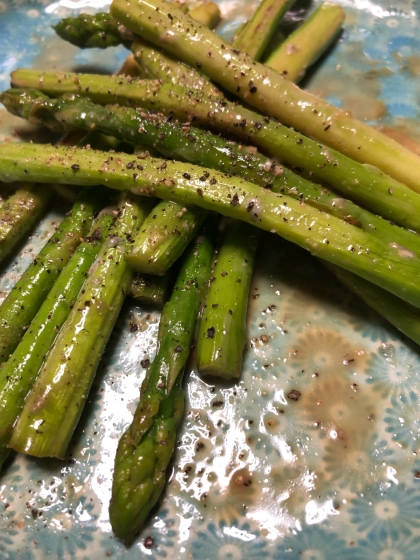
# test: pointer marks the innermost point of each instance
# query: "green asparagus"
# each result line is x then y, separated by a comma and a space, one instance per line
151, 290
363, 183
386, 264
206, 13
28, 294
222, 334
53, 407
18, 374
265, 89
308, 43
191, 144
146, 448
20, 213
255, 35
163, 237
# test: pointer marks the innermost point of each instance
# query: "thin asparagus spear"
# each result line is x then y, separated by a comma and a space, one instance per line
151, 290
206, 13
163, 237
308, 43
53, 407
265, 89
28, 294
146, 448
86, 31
364, 183
255, 35
20, 213
388, 265
18, 374
402, 315
222, 333
202, 148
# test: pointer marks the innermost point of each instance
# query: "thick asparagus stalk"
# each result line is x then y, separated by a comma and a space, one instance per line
163, 237
151, 290
222, 334
20, 213
255, 35
28, 294
18, 374
308, 43
53, 407
363, 183
265, 89
400, 314
388, 265
146, 448
206, 13
202, 148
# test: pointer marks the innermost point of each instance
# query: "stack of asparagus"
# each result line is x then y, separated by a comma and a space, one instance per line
57, 319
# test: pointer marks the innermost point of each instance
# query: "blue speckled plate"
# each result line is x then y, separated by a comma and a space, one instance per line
333, 474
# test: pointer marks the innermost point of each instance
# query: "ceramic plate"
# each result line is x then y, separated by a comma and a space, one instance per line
257, 474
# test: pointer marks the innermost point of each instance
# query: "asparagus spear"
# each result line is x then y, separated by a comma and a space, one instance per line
163, 237
388, 265
20, 213
151, 290
87, 31
364, 183
308, 43
265, 89
206, 13
255, 35
222, 334
400, 314
18, 374
191, 144
53, 407
146, 448
28, 294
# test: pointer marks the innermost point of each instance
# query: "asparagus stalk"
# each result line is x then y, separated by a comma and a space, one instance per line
191, 144
255, 35
403, 316
308, 43
388, 265
206, 13
18, 374
53, 407
151, 290
163, 237
28, 294
87, 31
146, 448
222, 333
265, 89
20, 213
363, 183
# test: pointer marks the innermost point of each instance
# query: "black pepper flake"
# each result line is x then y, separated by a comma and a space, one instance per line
299, 141
250, 206
200, 192
203, 178
210, 332
145, 363
140, 167
327, 127
135, 176
215, 305
75, 167
217, 403
243, 123
258, 125
170, 16
187, 176
191, 138
213, 181
148, 542
294, 395
235, 51
253, 89
134, 327
130, 165
178, 349
235, 200
198, 64
170, 116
